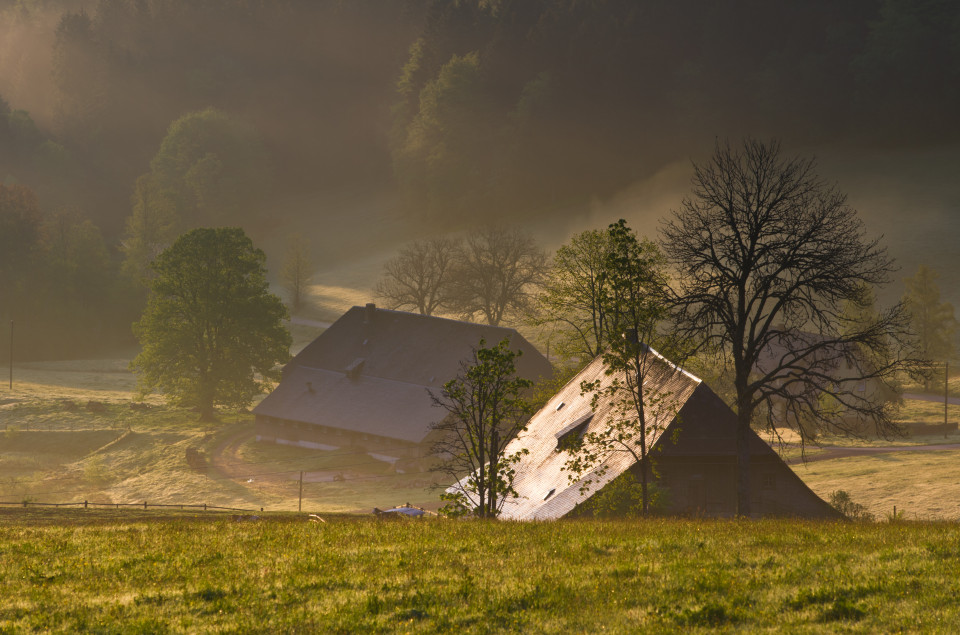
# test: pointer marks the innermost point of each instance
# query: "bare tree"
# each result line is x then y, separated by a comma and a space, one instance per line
767, 254
486, 409
498, 273
420, 277
296, 272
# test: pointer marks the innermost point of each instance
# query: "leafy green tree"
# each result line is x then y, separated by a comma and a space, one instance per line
80, 274
933, 321
153, 226
442, 159
20, 223
210, 167
573, 294
212, 333
486, 409
633, 299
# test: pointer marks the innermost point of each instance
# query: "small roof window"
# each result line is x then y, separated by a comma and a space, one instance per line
569, 437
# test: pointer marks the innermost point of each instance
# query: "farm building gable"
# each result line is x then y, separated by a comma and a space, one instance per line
693, 441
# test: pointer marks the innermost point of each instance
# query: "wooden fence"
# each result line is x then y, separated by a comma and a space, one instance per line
144, 505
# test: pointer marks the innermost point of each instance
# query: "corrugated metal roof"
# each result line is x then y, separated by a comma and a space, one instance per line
541, 470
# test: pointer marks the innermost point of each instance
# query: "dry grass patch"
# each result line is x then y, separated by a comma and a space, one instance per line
923, 485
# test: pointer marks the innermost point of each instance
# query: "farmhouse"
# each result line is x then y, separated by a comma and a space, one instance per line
363, 382
694, 450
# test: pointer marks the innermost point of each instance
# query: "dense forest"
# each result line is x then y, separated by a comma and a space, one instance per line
125, 122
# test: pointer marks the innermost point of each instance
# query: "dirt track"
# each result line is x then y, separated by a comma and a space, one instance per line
840, 453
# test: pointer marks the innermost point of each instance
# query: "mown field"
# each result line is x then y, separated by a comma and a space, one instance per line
143, 572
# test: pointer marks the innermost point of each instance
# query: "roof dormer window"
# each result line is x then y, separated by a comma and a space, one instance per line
570, 436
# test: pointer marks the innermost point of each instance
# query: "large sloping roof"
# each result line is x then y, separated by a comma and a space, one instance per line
543, 486
370, 371
367, 405
410, 347
705, 424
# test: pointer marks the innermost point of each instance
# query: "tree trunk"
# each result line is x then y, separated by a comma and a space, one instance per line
644, 497
743, 466
207, 411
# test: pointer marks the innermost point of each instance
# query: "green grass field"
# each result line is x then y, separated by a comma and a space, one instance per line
144, 572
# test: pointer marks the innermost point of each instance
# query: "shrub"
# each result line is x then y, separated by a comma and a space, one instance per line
95, 472
622, 498
840, 500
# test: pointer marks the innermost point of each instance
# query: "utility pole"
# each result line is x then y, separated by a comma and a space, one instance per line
300, 502
11, 354
946, 389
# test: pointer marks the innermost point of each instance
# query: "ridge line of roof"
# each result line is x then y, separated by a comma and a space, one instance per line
437, 317
600, 356
674, 365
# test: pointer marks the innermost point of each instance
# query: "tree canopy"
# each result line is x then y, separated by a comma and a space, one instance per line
573, 294
767, 255
210, 168
634, 301
212, 333
485, 409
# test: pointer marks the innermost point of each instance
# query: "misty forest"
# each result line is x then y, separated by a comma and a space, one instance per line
361, 125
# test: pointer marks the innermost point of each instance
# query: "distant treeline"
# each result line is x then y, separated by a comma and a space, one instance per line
533, 103
147, 117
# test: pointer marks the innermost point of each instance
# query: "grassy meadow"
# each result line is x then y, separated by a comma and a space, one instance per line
148, 572
74, 430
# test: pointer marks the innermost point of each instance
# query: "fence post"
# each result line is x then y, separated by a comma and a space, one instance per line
84, 504
144, 504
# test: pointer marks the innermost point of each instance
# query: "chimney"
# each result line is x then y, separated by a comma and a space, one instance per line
369, 311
